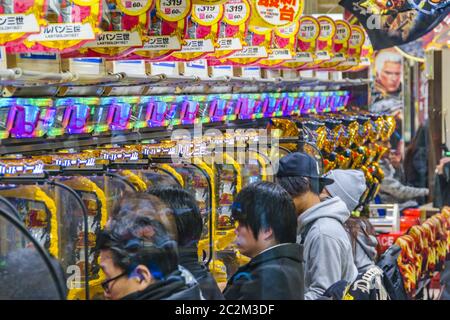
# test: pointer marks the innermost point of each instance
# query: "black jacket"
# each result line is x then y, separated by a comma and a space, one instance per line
276, 274
189, 260
173, 288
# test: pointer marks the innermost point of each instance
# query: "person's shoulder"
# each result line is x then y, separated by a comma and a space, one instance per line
187, 293
328, 230
328, 227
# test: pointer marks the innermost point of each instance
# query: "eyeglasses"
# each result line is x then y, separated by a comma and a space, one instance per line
105, 284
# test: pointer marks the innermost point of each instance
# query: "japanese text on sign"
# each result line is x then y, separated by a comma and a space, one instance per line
251, 52
116, 39
89, 162
280, 54
229, 44
197, 45
162, 43
18, 23
303, 57
12, 169
279, 12
64, 31
131, 156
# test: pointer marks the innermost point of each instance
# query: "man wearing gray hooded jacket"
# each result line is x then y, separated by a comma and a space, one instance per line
327, 250
349, 186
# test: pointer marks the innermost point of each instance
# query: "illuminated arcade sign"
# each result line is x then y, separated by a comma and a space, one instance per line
76, 162
30, 118
120, 154
13, 168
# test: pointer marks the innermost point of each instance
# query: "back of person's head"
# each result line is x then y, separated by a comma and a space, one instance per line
298, 186
138, 238
25, 276
147, 205
186, 212
349, 186
298, 174
266, 205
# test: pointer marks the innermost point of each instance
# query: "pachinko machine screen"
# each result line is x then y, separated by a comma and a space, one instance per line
171, 110
74, 115
221, 107
293, 103
115, 113
311, 103
26, 118
250, 106
275, 105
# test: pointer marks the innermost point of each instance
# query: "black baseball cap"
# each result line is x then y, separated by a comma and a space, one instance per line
300, 164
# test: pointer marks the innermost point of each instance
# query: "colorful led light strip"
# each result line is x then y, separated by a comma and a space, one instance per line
26, 118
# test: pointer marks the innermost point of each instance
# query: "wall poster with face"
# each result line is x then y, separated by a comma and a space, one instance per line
387, 90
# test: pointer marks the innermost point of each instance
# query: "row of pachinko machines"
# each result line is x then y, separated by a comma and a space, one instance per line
39, 117
65, 198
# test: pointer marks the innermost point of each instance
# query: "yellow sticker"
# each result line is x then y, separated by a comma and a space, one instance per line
237, 12
327, 28
134, 7
309, 29
210, 2
260, 30
207, 15
287, 32
173, 10
357, 38
343, 32
82, 2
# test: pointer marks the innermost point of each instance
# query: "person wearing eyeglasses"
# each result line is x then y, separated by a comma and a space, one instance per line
266, 232
139, 257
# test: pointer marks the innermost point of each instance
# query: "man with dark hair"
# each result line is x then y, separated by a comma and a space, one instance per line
266, 232
327, 250
139, 257
189, 230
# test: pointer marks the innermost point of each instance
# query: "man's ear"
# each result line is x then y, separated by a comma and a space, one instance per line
143, 275
266, 234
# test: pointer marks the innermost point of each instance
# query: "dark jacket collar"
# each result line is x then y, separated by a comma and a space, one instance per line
286, 250
160, 290
188, 258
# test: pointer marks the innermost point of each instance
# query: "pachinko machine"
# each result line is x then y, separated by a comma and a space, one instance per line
89, 180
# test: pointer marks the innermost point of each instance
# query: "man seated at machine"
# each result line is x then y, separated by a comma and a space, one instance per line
139, 257
266, 232
189, 225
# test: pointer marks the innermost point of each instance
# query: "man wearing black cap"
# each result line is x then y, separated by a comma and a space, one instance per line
327, 250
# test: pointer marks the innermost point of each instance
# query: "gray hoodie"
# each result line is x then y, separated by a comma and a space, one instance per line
327, 248
365, 250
